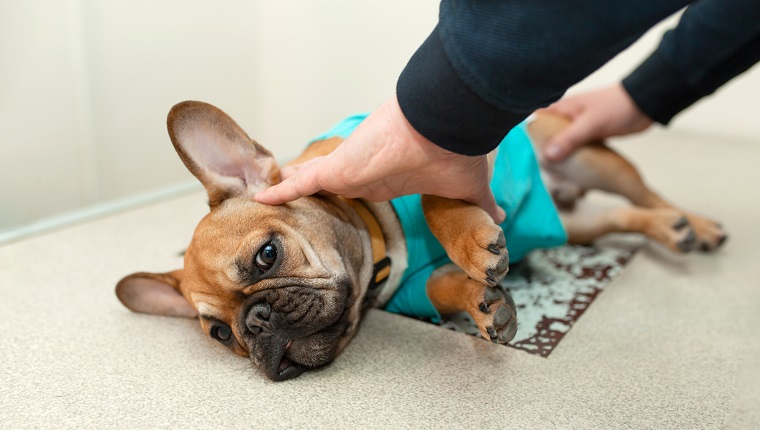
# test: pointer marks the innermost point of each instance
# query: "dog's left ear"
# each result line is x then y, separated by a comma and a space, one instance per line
219, 153
155, 293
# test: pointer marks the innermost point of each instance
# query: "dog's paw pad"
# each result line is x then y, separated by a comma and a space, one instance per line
497, 318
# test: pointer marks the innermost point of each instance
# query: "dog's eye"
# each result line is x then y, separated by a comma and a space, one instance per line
266, 257
221, 332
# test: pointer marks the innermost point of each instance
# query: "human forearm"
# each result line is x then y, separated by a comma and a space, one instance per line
489, 64
714, 42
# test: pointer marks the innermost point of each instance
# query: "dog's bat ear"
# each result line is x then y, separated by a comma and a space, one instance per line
219, 153
155, 293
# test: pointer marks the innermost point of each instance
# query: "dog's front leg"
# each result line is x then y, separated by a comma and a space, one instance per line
470, 237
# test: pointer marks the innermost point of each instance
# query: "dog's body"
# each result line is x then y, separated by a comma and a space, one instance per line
286, 285
532, 222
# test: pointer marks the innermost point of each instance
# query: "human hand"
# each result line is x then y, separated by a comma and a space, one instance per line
385, 157
595, 115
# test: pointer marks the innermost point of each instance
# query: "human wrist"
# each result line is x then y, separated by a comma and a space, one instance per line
635, 118
657, 89
440, 106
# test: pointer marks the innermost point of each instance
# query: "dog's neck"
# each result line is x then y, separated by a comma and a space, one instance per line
380, 259
385, 216
388, 248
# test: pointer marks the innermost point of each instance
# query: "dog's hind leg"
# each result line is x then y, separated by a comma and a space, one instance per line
666, 226
596, 166
491, 308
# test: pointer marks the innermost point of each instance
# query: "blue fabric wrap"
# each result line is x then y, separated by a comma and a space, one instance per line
532, 220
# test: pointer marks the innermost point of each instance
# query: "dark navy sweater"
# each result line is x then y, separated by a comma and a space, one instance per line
488, 63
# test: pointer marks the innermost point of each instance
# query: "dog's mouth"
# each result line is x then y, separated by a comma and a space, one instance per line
287, 368
271, 355
293, 329
281, 359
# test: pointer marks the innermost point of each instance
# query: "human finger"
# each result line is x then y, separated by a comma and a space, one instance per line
293, 169
303, 182
561, 145
567, 107
487, 201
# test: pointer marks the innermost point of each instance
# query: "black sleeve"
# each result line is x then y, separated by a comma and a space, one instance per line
715, 41
489, 63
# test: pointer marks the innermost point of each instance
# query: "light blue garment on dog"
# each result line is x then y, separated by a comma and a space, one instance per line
532, 220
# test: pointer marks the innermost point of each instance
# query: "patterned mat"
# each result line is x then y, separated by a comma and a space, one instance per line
552, 289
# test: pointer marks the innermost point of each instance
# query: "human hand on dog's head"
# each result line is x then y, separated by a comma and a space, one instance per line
386, 158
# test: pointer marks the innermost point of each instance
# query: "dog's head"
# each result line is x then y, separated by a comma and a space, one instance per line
280, 284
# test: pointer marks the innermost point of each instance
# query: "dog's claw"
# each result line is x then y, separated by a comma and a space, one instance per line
484, 308
491, 278
687, 244
494, 249
492, 333
721, 241
681, 223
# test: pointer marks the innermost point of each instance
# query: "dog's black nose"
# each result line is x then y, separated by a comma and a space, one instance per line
261, 310
258, 317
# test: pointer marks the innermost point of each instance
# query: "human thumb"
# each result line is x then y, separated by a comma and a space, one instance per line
488, 203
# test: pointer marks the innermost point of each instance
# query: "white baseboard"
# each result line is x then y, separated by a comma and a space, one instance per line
95, 211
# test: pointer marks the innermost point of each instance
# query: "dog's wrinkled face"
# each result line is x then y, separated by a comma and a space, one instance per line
272, 283
280, 284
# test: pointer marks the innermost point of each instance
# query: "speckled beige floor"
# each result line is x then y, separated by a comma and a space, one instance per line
671, 343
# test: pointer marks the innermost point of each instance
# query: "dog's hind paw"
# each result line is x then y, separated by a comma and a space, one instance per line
710, 235
668, 227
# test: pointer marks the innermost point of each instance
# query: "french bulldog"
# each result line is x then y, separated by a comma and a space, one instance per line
287, 285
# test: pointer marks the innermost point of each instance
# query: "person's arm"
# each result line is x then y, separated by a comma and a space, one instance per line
713, 42
489, 64
486, 66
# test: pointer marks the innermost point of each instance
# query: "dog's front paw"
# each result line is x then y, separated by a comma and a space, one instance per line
483, 256
471, 238
496, 315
